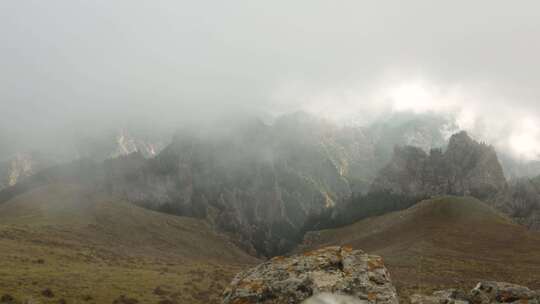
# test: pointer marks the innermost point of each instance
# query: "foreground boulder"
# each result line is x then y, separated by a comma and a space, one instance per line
483, 293
290, 280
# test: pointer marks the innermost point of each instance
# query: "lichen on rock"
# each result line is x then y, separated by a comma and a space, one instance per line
293, 279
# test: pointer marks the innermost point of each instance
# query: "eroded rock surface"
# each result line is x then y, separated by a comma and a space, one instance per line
466, 167
340, 270
484, 293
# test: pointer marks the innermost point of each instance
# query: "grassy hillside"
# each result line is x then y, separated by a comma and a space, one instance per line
443, 243
86, 248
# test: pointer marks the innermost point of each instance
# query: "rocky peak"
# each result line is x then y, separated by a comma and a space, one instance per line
293, 279
465, 168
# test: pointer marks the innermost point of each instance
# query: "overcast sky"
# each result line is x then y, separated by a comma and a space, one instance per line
91, 63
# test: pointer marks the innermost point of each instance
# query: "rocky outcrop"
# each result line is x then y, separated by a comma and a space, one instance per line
484, 293
465, 168
293, 279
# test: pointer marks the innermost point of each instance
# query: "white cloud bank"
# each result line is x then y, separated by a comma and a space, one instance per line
511, 126
86, 64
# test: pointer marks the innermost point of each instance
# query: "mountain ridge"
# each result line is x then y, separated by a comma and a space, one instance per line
466, 167
265, 184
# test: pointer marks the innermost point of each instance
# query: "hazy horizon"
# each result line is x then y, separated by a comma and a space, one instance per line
77, 66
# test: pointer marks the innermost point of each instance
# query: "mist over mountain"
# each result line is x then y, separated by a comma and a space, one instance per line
259, 180
465, 167
264, 182
151, 151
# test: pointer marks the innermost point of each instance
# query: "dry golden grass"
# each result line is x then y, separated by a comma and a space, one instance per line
90, 249
444, 243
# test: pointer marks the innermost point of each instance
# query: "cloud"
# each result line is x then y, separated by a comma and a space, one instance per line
511, 125
89, 64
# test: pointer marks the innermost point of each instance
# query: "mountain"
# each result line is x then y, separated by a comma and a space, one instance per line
66, 241
257, 181
442, 243
244, 186
97, 147
260, 182
466, 167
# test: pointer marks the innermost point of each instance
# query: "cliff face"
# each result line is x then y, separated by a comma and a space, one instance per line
258, 181
465, 168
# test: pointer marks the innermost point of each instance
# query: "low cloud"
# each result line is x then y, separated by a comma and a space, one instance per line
509, 124
87, 65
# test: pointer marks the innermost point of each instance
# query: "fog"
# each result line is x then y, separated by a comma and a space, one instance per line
73, 66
